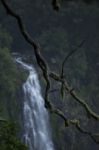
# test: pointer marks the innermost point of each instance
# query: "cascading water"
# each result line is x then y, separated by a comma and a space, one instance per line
36, 122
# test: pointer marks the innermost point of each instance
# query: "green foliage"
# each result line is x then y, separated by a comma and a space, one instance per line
10, 81
7, 68
8, 137
7, 71
10, 78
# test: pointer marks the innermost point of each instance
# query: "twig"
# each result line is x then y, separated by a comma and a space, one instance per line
68, 56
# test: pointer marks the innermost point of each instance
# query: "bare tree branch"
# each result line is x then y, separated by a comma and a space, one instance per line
93, 136
68, 56
76, 123
74, 95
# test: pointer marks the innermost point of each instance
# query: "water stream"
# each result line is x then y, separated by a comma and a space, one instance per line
35, 117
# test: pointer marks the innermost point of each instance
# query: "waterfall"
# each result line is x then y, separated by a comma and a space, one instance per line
35, 116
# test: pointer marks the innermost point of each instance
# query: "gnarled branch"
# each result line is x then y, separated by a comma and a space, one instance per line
74, 95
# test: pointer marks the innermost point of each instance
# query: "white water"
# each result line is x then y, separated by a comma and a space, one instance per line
36, 122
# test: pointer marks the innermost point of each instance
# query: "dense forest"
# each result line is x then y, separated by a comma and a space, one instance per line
68, 35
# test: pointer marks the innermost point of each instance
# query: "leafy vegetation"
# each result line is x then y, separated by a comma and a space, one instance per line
8, 137
10, 81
